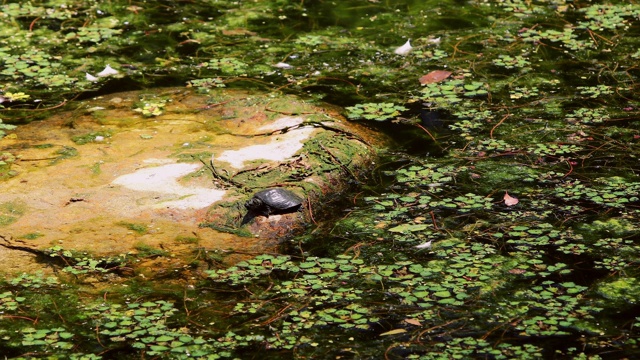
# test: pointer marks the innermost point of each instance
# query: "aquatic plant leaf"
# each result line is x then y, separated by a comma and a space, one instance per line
434, 77
408, 228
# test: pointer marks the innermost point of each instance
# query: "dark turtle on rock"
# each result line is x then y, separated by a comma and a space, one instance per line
273, 201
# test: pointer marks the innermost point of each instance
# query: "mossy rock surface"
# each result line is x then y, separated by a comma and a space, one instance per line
177, 164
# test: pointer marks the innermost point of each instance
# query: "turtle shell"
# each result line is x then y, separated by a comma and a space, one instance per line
276, 200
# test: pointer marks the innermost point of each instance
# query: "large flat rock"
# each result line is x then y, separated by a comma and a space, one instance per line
108, 179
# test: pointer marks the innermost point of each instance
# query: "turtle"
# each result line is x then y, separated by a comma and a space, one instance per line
273, 201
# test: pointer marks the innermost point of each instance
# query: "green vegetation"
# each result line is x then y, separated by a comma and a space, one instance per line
378, 112
429, 263
11, 212
138, 228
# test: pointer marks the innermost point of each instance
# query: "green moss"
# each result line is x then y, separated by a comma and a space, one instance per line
31, 236
97, 136
138, 228
187, 239
65, 153
620, 293
144, 250
11, 211
614, 227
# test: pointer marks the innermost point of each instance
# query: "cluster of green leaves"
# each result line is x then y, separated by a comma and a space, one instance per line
587, 116
523, 93
451, 92
493, 145
4, 127
83, 263
322, 283
511, 62
551, 309
608, 16
439, 255
34, 67
95, 136
431, 175
34, 281
373, 111
144, 326
203, 86
48, 339
611, 192
228, 65
595, 91
151, 107
96, 34
6, 159
567, 38
550, 149
9, 302
470, 347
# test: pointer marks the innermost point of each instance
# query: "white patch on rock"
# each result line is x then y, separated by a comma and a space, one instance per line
280, 148
283, 122
163, 179
158, 161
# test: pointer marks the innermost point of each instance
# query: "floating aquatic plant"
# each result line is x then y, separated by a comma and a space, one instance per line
541, 271
4, 127
152, 107
373, 111
511, 62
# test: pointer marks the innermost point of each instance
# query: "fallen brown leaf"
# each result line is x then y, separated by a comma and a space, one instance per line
434, 77
413, 322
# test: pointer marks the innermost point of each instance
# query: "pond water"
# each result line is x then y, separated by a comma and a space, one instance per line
503, 223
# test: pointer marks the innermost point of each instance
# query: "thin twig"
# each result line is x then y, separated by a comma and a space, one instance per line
33, 23
433, 217
311, 213
498, 124
428, 133
18, 317
568, 161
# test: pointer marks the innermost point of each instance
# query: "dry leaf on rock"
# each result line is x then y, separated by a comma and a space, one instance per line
434, 77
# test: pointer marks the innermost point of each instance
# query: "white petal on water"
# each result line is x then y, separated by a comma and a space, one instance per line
426, 245
404, 49
108, 71
434, 41
282, 65
91, 77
